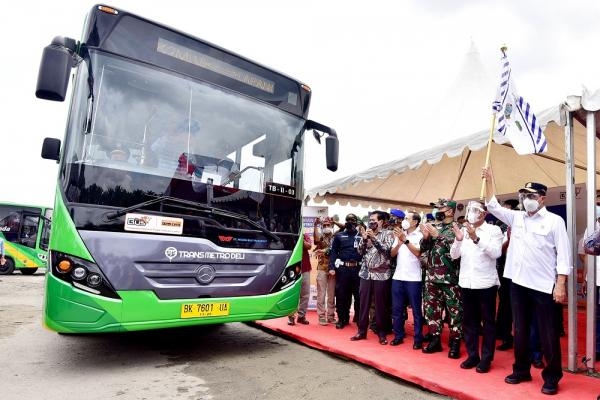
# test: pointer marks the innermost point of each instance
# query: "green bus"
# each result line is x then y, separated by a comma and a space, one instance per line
180, 183
25, 230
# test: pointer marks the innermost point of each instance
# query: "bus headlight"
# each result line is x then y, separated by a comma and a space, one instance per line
79, 273
290, 275
82, 274
94, 280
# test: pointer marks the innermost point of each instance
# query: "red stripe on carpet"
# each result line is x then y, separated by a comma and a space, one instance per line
436, 372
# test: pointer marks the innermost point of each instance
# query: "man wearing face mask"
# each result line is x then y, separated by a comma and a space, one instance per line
478, 245
538, 262
325, 282
375, 276
406, 281
344, 264
441, 280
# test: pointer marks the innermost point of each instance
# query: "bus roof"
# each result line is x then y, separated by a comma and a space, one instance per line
129, 35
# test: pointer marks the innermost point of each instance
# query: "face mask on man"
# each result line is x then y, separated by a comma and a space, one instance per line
350, 226
373, 225
440, 216
405, 224
472, 217
327, 231
530, 205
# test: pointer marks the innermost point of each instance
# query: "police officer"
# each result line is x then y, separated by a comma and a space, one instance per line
344, 263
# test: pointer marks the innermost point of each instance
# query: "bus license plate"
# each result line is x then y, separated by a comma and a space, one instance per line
204, 310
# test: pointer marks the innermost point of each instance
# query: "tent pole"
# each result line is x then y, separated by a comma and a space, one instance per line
487, 155
590, 336
571, 233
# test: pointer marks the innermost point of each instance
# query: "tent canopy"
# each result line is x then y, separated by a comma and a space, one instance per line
453, 170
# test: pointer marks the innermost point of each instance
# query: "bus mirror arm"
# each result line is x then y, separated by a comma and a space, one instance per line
331, 142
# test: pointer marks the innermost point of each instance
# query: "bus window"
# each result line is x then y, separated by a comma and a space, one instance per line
9, 224
29, 230
45, 239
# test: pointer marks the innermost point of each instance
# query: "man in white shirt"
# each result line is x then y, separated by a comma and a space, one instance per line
538, 262
478, 245
407, 282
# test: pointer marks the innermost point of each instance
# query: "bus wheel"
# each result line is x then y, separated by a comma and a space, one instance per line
28, 271
8, 267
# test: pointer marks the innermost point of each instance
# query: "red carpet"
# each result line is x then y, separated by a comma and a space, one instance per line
436, 372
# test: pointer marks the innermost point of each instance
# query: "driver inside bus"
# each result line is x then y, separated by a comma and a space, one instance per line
173, 149
115, 176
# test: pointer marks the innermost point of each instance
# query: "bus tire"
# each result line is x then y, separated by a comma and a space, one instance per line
8, 267
28, 271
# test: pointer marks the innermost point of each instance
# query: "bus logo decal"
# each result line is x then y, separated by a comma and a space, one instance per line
205, 274
153, 223
171, 253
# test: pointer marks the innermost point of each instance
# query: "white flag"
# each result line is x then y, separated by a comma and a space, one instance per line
515, 120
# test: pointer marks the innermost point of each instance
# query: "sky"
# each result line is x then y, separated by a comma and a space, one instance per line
381, 72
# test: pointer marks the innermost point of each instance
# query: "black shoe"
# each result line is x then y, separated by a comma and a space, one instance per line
383, 340
417, 346
454, 351
396, 341
427, 338
340, 325
505, 345
291, 321
302, 320
550, 388
358, 336
483, 367
434, 346
514, 378
470, 363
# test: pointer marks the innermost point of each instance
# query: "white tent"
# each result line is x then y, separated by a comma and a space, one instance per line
453, 171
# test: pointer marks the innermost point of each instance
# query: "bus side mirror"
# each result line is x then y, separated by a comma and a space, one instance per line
55, 68
51, 149
332, 146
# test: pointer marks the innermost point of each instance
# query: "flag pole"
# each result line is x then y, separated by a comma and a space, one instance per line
487, 156
489, 145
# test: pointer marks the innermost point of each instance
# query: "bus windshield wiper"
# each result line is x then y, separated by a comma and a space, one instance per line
198, 206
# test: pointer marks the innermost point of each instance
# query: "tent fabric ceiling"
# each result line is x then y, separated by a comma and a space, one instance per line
453, 170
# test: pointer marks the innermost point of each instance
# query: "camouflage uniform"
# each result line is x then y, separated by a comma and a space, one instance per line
441, 283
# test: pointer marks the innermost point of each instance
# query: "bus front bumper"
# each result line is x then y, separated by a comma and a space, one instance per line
71, 310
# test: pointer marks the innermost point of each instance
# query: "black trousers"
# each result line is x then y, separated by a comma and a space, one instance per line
347, 283
504, 319
381, 292
479, 305
528, 304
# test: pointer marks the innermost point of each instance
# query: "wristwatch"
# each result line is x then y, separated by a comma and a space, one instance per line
476, 240
406, 241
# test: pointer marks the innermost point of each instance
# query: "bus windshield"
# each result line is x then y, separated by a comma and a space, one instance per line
139, 131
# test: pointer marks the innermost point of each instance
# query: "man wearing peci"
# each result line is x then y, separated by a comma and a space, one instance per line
538, 262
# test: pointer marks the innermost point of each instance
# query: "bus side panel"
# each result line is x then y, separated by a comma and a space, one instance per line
23, 256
